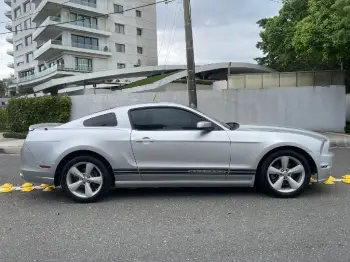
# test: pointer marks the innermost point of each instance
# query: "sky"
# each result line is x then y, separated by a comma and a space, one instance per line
223, 31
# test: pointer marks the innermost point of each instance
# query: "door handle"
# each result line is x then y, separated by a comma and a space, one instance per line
144, 140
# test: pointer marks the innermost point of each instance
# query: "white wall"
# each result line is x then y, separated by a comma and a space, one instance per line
315, 108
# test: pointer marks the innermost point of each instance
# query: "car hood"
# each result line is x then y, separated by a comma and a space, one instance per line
282, 130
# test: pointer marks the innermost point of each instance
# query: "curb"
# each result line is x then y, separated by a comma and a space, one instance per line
343, 143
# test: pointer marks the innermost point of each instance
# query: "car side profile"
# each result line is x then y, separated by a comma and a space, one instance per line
171, 145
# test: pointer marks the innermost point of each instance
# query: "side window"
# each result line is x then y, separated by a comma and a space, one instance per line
164, 119
108, 119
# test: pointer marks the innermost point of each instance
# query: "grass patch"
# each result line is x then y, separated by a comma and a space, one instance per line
149, 80
15, 135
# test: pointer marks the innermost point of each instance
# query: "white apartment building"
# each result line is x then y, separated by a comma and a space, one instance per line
57, 38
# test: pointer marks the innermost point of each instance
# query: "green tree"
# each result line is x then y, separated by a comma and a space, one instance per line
306, 35
277, 35
321, 36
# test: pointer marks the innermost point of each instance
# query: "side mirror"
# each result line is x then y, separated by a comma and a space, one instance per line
204, 125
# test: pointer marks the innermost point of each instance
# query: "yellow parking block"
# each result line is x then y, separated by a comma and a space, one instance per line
329, 181
26, 187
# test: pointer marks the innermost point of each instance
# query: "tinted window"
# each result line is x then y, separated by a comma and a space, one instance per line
102, 120
164, 119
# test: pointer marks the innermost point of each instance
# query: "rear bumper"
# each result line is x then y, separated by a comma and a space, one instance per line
324, 166
31, 171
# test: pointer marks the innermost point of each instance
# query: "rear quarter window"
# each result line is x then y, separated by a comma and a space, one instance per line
108, 119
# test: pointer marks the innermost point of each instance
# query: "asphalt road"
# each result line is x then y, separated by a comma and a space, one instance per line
177, 224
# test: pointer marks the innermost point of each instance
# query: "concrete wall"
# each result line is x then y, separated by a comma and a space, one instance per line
288, 79
315, 108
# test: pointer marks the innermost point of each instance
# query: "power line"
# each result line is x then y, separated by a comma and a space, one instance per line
68, 22
172, 33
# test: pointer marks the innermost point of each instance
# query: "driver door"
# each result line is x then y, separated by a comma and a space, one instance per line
168, 146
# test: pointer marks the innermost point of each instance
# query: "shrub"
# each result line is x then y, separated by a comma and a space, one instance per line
4, 124
23, 112
347, 128
15, 135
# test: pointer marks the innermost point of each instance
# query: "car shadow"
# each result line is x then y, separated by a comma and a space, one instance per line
116, 194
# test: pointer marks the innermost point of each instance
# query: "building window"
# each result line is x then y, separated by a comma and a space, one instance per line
91, 3
20, 63
139, 31
18, 28
120, 66
27, 24
26, 73
139, 50
17, 12
83, 20
84, 42
118, 9
29, 57
138, 13
28, 40
26, 7
19, 46
119, 28
83, 64
120, 48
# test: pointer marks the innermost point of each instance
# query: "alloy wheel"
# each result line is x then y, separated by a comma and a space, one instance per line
286, 174
84, 179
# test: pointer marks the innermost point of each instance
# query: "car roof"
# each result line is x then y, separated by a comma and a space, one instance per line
155, 104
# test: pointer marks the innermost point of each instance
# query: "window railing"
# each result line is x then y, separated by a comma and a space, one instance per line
56, 42
55, 18
84, 2
84, 24
37, 75
83, 69
86, 46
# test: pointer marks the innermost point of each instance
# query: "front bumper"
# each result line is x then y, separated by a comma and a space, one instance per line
324, 166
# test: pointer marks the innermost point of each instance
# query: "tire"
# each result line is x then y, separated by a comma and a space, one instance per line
89, 187
285, 182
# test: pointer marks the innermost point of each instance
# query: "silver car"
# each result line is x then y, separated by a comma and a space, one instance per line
171, 145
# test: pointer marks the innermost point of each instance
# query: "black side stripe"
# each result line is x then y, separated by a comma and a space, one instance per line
181, 171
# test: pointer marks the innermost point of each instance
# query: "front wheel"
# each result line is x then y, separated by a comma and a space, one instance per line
285, 173
85, 179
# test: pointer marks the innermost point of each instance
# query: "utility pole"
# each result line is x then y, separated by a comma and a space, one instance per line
191, 74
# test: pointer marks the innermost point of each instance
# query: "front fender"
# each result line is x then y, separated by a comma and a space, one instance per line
275, 146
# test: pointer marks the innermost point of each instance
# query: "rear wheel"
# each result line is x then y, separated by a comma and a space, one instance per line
285, 173
85, 179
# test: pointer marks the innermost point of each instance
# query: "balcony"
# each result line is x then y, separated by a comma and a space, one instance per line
56, 70
53, 48
9, 39
9, 52
8, 2
47, 8
8, 14
8, 26
10, 65
52, 26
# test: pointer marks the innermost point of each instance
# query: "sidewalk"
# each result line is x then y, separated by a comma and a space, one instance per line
10, 145
13, 146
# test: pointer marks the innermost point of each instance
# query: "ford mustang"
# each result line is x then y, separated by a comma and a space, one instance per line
170, 145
